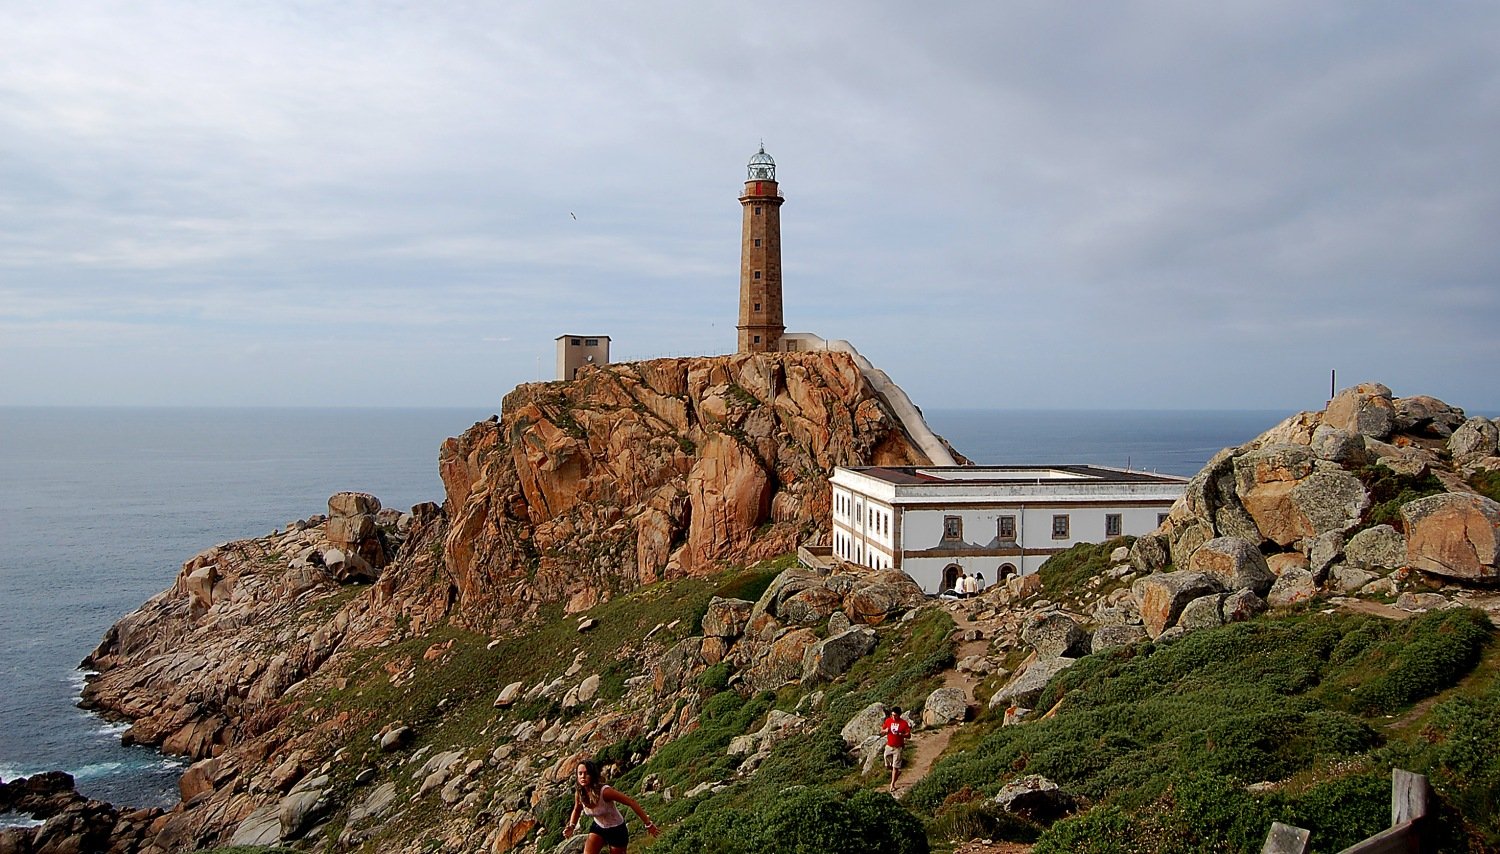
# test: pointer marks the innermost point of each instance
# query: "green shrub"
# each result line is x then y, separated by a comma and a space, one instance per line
1487, 483
802, 820
963, 817
714, 679
1389, 490
1429, 653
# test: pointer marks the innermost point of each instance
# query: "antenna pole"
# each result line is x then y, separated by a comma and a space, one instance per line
1333, 383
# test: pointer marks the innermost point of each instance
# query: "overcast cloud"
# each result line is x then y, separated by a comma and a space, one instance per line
1086, 205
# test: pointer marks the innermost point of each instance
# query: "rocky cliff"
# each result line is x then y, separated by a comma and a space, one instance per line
649, 470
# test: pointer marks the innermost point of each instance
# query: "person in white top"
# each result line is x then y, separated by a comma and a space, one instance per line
597, 800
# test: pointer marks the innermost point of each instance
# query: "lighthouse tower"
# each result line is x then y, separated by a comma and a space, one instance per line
760, 326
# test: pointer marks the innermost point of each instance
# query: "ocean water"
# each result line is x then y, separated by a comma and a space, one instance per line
100, 507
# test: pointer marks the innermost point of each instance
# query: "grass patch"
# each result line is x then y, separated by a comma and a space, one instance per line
1070, 571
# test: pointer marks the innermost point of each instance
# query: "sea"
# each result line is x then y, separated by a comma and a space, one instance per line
99, 507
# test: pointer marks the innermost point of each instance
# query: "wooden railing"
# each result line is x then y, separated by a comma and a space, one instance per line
1410, 796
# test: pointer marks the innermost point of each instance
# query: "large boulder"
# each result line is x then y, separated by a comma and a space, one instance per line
1026, 687
678, 665
1474, 440
1380, 547
1237, 564
864, 725
1116, 634
810, 606
945, 706
832, 657
726, 618
1366, 409
1241, 605
1291, 588
1052, 634
1163, 595
1150, 553
304, 806
354, 532
1205, 612
1292, 495
1456, 535
877, 596
1335, 445
1423, 414
786, 585
1035, 798
781, 662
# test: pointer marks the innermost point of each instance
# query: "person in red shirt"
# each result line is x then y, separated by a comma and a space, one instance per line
896, 731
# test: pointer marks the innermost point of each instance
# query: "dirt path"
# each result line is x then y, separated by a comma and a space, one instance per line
929, 745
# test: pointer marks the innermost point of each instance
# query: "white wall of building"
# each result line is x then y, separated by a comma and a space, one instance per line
882, 524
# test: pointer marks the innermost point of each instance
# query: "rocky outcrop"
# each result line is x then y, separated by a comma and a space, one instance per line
241, 625
71, 823
648, 470
1289, 514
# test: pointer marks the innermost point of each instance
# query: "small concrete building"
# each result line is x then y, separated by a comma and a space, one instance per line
575, 351
937, 521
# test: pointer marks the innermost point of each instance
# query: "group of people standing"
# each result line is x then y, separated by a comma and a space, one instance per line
967, 585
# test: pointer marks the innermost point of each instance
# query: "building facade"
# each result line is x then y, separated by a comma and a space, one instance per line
575, 351
760, 325
936, 522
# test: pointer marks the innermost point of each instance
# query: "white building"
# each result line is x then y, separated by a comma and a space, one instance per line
938, 521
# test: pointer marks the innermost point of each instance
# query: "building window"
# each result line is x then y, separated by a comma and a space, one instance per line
757, 339
757, 306
1007, 528
1112, 525
757, 210
757, 243
757, 275
591, 342
953, 527
1060, 526
575, 342
1161, 519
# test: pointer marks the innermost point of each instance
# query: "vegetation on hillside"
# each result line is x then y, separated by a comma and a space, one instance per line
1191, 745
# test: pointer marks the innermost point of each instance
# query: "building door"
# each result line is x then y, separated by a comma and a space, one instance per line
1006, 571
950, 576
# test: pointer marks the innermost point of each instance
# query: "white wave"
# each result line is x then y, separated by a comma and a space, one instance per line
11, 819
11, 772
78, 677
112, 728
97, 769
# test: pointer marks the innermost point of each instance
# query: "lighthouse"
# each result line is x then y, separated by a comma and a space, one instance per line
760, 327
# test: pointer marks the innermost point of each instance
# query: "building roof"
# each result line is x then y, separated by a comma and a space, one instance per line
561, 337
1008, 475
970, 485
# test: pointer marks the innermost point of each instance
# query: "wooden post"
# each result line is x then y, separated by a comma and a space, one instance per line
1409, 796
1285, 839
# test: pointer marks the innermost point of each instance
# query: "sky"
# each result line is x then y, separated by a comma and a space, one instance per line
1177, 205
